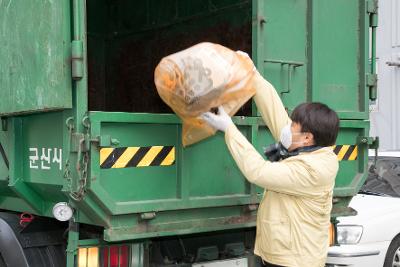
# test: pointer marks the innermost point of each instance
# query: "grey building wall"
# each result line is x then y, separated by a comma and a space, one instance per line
385, 112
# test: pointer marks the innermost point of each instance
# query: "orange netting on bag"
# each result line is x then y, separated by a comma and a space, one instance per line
200, 78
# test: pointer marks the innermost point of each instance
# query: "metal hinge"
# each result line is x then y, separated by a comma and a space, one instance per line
372, 79
372, 142
372, 82
105, 141
372, 6
80, 142
372, 9
77, 59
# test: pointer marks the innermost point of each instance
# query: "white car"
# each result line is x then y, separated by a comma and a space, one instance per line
372, 237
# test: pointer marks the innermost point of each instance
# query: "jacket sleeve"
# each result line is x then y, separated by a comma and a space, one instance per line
270, 106
289, 177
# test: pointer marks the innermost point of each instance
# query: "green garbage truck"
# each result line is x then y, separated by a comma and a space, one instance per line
92, 167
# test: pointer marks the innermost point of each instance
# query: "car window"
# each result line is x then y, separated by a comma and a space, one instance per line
384, 177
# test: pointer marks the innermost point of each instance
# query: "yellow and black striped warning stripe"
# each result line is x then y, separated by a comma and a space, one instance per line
125, 157
346, 152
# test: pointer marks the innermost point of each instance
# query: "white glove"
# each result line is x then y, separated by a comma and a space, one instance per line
220, 121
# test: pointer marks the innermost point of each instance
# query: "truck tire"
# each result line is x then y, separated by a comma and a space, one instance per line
10, 247
393, 254
15, 250
2, 263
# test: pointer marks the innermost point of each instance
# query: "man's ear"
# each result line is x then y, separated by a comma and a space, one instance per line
309, 138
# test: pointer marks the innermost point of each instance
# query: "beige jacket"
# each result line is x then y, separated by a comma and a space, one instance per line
294, 215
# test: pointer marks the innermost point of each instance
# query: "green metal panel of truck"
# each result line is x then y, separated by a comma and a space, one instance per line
76, 77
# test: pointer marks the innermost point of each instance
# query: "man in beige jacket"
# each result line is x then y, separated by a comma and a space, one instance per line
294, 215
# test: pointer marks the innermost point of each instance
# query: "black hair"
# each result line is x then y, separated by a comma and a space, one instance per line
318, 119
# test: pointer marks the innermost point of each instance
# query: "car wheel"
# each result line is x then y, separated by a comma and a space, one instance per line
393, 254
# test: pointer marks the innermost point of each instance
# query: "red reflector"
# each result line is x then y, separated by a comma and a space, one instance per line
105, 257
114, 256
123, 256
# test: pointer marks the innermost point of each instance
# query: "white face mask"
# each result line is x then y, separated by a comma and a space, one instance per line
287, 136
